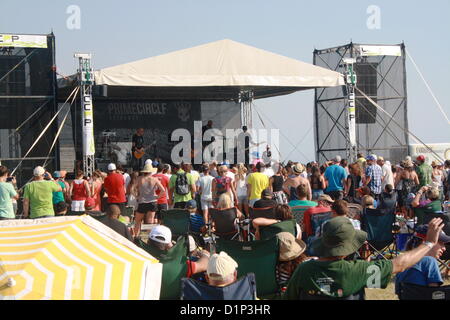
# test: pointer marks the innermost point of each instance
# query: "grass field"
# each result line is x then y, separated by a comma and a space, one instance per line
388, 293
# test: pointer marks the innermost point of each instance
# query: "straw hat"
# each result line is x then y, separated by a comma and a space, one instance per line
408, 164
148, 168
298, 168
290, 247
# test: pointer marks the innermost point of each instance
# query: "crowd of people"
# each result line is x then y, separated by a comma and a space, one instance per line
312, 262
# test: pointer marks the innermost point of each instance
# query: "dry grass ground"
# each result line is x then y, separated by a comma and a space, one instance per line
388, 293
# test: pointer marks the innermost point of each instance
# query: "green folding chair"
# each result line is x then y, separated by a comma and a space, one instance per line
174, 266
268, 232
177, 220
259, 257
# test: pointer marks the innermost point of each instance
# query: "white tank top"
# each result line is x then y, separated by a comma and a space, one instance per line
147, 193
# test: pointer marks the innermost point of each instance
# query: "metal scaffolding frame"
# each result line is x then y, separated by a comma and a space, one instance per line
28, 98
375, 132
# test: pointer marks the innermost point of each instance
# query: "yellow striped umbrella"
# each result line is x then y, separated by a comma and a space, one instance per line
73, 258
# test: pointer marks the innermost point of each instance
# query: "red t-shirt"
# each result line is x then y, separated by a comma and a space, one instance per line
307, 218
165, 182
115, 188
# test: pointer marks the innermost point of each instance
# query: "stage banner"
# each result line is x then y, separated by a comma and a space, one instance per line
370, 51
117, 121
23, 41
88, 126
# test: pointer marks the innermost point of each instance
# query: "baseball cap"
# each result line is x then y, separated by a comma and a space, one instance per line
420, 158
325, 197
421, 232
220, 266
38, 171
161, 234
111, 167
266, 193
371, 158
155, 163
56, 174
337, 159
290, 247
191, 204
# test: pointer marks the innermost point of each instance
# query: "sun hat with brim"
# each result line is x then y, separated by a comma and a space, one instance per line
339, 239
408, 164
148, 168
290, 247
298, 168
325, 197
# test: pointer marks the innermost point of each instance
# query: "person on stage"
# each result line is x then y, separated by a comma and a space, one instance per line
137, 150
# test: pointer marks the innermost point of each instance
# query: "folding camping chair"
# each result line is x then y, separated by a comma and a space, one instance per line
174, 266
379, 226
225, 223
268, 213
243, 289
298, 212
177, 220
318, 219
268, 232
354, 211
419, 213
410, 291
259, 257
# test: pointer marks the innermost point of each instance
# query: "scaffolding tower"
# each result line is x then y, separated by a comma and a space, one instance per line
381, 74
86, 80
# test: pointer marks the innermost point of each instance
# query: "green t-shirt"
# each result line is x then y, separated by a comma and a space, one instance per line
178, 197
338, 279
40, 194
59, 196
295, 203
6, 193
424, 172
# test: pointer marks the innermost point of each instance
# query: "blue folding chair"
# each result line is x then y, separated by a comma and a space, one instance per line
379, 223
243, 289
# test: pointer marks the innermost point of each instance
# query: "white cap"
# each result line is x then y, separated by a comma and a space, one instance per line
220, 266
337, 158
161, 234
148, 161
375, 156
111, 167
38, 171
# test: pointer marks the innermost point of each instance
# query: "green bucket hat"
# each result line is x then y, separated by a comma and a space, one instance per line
339, 238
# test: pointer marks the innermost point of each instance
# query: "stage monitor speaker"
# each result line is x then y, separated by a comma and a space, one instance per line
100, 91
368, 83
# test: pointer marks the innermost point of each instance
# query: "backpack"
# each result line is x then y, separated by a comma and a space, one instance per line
222, 185
181, 184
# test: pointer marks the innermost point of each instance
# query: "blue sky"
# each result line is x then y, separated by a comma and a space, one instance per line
122, 31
